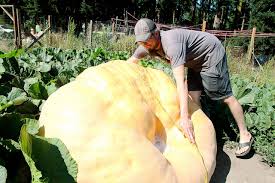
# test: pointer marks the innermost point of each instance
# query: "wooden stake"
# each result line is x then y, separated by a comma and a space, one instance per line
49, 25
90, 33
116, 23
113, 27
126, 23
251, 46
243, 23
6, 11
37, 39
174, 17
18, 21
222, 15
14, 27
158, 15
203, 26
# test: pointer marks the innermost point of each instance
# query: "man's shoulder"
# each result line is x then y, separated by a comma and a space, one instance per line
172, 32
173, 37
182, 31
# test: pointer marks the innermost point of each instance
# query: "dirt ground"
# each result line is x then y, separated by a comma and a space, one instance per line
230, 169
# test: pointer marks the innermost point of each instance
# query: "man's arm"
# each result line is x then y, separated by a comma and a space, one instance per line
133, 59
139, 53
185, 122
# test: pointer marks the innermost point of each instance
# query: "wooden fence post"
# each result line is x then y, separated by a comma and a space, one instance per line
49, 25
243, 23
174, 17
90, 33
15, 27
203, 26
126, 23
113, 27
116, 23
13, 17
251, 46
158, 15
18, 22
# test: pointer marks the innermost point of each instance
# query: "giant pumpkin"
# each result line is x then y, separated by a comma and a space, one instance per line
119, 121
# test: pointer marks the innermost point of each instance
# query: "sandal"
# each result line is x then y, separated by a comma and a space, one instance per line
242, 145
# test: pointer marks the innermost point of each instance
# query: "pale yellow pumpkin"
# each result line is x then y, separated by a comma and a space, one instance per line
120, 123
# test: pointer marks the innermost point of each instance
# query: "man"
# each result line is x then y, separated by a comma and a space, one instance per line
205, 58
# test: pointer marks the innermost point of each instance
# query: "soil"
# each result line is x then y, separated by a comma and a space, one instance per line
251, 169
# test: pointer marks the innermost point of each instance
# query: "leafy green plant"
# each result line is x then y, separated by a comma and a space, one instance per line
26, 81
259, 107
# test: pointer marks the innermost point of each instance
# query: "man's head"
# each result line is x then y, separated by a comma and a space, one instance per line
147, 34
144, 29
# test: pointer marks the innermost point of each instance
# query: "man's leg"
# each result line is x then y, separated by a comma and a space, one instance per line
195, 96
194, 85
237, 112
217, 86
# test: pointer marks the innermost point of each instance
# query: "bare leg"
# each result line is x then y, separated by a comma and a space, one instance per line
195, 96
237, 112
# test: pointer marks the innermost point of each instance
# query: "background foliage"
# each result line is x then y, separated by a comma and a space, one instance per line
187, 13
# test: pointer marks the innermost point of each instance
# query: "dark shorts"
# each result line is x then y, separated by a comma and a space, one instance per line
215, 81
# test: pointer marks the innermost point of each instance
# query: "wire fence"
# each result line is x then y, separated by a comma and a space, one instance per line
125, 26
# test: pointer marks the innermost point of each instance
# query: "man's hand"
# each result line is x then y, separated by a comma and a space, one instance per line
187, 127
184, 124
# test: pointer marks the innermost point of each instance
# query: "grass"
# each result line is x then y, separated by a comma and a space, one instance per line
6, 45
239, 65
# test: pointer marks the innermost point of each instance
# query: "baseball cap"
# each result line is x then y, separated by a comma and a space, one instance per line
143, 29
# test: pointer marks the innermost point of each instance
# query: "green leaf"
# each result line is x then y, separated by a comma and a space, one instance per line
38, 91
13, 53
29, 82
17, 96
247, 99
48, 158
35, 173
45, 57
3, 100
248, 120
2, 68
25, 140
41, 105
32, 126
264, 121
20, 100
11, 67
255, 119
235, 89
51, 87
3, 174
44, 67
36, 102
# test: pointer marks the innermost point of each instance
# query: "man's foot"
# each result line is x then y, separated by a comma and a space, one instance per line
244, 146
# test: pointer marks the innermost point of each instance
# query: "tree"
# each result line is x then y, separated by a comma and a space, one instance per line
262, 16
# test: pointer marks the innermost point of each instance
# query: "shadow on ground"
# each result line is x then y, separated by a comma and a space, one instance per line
222, 121
223, 165
215, 111
222, 168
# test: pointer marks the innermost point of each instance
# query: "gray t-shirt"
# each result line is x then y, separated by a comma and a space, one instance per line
193, 49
